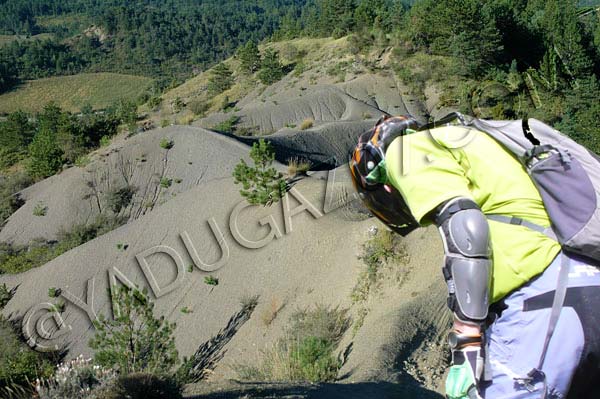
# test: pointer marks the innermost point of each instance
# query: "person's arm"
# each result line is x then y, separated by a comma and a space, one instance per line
467, 270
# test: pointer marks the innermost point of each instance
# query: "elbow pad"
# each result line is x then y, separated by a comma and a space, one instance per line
467, 262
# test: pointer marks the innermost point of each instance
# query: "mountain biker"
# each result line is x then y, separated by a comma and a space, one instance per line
501, 277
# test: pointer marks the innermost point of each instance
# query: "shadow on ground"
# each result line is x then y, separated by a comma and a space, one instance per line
362, 390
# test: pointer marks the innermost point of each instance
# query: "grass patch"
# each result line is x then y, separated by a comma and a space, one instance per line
19, 259
210, 280
339, 70
306, 353
40, 209
165, 182
385, 249
70, 92
383, 254
7, 39
83, 161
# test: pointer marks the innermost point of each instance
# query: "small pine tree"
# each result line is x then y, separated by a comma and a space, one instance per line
249, 57
135, 341
271, 69
262, 183
221, 79
45, 154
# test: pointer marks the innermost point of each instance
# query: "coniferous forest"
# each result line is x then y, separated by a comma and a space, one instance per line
550, 48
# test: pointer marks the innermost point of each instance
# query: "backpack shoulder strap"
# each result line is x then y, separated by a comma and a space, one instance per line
522, 222
536, 374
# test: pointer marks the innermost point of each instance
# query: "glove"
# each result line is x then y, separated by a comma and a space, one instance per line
465, 372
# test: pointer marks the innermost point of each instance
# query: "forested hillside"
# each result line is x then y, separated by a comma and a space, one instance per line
511, 58
153, 38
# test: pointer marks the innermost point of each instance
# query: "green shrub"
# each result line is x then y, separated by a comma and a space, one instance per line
227, 126
5, 296
299, 68
262, 183
384, 248
166, 143
19, 364
82, 161
315, 360
45, 155
220, 80
271, 69
104, 141
142, 386
165, 123
165, 182
306, 353
17, 259
210, 280
119, 198
40, 209
134, 341
54, 292
122, 247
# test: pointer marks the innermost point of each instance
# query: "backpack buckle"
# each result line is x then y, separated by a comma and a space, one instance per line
528, 382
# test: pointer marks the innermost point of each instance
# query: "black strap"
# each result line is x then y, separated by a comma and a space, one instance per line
557, 304
536, 374
528, 133
456, 206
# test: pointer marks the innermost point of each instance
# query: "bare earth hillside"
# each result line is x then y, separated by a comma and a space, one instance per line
186, 221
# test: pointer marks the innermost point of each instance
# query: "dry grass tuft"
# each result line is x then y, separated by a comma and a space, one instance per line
307, 124
297, 166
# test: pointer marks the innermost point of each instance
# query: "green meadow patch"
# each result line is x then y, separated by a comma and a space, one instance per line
7, 39
72, 92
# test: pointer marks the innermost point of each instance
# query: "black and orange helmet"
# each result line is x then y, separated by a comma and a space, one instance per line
368, 175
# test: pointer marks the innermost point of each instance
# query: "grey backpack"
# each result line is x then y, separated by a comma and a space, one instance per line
566, 174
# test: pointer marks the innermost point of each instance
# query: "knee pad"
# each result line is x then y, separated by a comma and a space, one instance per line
468, 267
